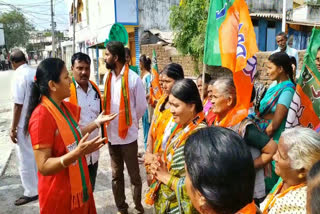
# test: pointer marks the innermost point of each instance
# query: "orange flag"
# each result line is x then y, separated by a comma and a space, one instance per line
155, 90
231, 43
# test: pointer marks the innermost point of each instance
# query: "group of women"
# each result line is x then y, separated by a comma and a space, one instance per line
192, 166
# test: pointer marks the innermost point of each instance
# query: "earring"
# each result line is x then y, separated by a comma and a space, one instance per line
300, 176
54, 89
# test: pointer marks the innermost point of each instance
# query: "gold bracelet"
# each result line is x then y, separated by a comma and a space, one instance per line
62, 163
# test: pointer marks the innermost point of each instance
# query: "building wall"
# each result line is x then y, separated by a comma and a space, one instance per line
164, 58
266, 31
300, 36
101, 13
270, 6
155, 14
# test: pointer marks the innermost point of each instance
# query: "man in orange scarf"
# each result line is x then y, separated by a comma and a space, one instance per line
124, 94
86, 94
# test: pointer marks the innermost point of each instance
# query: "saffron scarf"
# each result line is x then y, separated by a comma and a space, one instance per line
158, 123
177, 138
271, 199
125, 119
74, 100
248, 209
165, 126
234, 117
71, 135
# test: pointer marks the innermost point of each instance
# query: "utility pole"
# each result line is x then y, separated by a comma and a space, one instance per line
74, 18
284, 16
52, 31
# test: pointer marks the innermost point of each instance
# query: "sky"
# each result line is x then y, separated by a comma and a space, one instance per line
38, 12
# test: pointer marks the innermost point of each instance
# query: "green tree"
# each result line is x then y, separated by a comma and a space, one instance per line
188, 22
58, 34
16, 29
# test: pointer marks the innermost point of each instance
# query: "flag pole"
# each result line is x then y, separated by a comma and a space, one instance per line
203, 73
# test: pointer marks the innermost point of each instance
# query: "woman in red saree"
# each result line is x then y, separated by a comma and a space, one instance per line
59, 145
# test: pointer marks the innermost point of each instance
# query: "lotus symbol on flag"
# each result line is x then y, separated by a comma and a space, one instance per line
295, 112
251, 68
241, 49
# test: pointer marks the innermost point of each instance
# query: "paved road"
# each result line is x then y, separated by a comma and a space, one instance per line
6, 78
10, 183
11, 188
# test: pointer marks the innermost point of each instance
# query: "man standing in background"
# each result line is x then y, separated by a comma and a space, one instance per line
124, 94
281, 39
86, 94
21, 94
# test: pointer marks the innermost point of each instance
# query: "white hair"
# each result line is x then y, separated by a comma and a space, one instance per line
303, 147
225, 86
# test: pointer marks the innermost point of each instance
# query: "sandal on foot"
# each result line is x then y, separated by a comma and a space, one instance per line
24, 200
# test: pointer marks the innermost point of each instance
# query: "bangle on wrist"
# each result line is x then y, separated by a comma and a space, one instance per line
62, 163
97, 123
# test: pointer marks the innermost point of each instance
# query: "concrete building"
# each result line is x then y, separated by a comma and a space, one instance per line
301, 17
304, 18
266, 18
94, 20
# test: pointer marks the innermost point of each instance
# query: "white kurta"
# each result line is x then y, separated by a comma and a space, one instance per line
138, 106
24, 76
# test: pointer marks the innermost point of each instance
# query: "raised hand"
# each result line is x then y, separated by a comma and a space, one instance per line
105, 118
87, 147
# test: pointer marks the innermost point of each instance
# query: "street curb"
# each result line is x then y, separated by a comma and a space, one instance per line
5, 165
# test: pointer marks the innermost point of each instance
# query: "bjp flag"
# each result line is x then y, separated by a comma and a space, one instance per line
231, 43
305, 106
155, 90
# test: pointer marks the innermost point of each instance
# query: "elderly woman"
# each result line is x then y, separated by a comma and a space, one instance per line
167, 191
220, 174
298, 150
262, 148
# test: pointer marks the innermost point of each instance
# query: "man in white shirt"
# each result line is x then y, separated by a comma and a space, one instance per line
24, 76
281, 39
86, 94
123, 149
